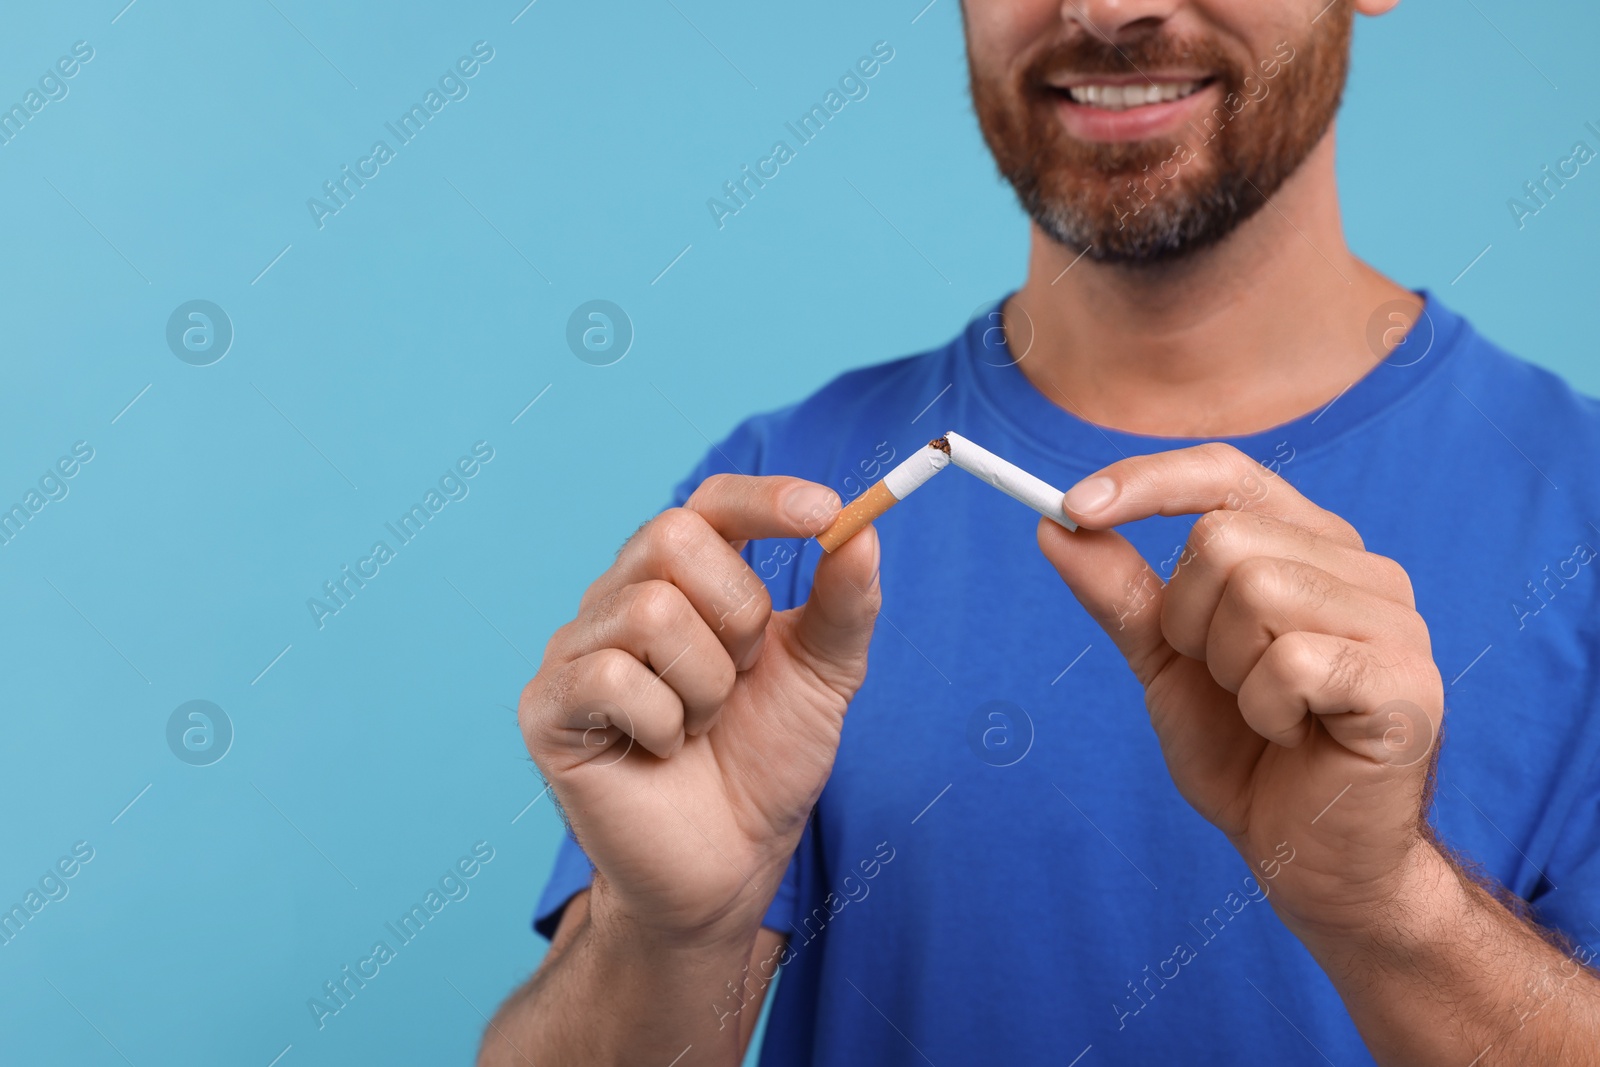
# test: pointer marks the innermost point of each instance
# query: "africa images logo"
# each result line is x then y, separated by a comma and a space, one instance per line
452, 86
852, 86
340, 591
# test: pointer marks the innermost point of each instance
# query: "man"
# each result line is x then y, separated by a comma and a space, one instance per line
1017, 857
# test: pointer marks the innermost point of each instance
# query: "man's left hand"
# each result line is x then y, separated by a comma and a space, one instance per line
1286, 671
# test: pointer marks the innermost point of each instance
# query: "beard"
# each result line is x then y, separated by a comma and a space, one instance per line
1146, 202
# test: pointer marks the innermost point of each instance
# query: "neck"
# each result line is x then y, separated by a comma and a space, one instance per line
1266, 325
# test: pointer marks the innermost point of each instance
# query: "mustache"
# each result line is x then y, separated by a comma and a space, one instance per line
1156, 52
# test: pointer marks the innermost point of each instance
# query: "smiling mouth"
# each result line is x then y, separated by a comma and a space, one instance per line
1126, 97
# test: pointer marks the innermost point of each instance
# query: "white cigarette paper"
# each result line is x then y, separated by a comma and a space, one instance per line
1009, 478
915, 470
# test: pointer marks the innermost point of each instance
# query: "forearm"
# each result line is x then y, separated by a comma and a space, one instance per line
616, 994
1447, 975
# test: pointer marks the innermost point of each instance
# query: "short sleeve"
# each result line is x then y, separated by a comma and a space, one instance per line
571, 873
742, 452
1570, 898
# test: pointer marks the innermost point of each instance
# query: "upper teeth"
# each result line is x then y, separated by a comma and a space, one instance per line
1121, 97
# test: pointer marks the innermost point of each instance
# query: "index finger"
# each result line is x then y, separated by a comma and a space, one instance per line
1193, 481
724, 509
742, 507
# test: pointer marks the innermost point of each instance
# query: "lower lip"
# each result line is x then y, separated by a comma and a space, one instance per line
1085, 122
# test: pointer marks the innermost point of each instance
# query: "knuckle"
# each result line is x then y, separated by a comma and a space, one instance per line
611, 671
1214, 532
530, 700
1258, 580
1415, 628
1427, 682
1347, 530
1295, 657
559, 641
654, 607
1395, 577
539, 707
1225, 458
675, 531
1312, 584
1328, 527
1346, 671
1267, 582
1399, 628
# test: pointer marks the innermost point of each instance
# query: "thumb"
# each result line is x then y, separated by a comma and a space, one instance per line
1118, 589
835, 626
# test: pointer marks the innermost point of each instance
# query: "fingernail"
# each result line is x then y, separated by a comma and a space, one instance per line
1090, 495
810, 506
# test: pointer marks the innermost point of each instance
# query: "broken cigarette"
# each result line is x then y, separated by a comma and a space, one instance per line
1009, 478
894, 487
929, 460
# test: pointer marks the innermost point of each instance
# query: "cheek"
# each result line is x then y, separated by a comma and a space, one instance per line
1000, 31
1254, 28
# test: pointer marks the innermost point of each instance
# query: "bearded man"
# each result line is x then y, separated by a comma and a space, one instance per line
1209, 798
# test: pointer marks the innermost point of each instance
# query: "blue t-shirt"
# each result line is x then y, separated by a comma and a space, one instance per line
1000, 870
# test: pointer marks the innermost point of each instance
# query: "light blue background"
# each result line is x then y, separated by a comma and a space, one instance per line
378, 750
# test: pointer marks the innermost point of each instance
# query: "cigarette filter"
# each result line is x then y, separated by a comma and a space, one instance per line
894, 487
1009, 478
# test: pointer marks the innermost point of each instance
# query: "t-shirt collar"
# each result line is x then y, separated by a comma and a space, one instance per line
985, 361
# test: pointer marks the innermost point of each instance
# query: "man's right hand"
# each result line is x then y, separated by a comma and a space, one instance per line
685, 727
